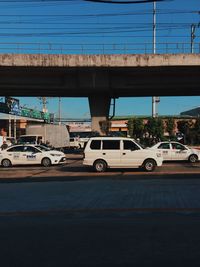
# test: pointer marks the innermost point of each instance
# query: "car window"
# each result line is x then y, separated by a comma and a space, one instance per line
31, 149
43, 148
178, 146
27, 140
111, 144
16, 149
129, 145
95, 144
164, 146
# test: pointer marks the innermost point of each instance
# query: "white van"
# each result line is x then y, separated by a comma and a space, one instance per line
119, 152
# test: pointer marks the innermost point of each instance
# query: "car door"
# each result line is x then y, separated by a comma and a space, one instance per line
179, 152
31, 155
131, 154
111, 152
165, 149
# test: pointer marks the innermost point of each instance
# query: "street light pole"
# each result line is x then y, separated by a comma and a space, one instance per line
59, 110
154, 52
193, 36
154, 27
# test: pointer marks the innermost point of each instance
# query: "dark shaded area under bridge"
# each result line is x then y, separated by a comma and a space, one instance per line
110, 75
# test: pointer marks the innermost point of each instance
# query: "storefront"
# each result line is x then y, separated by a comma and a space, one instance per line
14, 118
14, 126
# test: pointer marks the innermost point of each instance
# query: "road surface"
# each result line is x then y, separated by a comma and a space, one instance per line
70, 216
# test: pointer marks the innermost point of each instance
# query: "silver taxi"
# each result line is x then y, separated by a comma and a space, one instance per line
177, 151
30, 154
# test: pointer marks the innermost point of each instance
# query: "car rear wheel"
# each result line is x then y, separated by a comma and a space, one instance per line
46, 162
100, 165
149, 165
193, 158
6, 163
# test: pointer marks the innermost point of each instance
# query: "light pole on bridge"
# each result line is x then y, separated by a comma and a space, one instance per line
155, 99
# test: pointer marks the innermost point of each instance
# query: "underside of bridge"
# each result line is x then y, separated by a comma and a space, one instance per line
100, 78
115, 82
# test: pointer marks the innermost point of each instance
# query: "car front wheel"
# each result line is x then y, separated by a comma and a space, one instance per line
193, 158
46, 162
149, 165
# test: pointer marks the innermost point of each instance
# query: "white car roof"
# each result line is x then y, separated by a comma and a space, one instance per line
110, 138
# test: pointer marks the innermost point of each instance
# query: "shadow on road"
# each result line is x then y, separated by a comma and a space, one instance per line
105, 176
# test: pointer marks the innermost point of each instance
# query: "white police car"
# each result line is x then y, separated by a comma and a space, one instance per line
177, 151
30, 154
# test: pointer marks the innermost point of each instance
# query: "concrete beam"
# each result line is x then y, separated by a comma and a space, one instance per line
134, 60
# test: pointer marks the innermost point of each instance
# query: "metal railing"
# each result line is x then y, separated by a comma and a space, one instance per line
97, 48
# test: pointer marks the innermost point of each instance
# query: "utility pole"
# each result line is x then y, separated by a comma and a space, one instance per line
154, 27
59, 110
193, 36
43, 99
155, 99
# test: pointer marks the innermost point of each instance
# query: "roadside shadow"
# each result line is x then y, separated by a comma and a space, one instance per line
74, 174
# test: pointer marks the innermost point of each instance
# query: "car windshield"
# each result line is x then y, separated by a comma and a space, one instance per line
27, 140
138, 143
43, 148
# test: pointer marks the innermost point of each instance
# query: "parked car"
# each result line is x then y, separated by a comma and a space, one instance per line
176, 151
119, 152
30, 154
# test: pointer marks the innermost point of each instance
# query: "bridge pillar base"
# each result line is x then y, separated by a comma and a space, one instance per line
99, 110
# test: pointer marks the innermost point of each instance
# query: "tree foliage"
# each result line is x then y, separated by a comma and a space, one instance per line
155, 128
136, 127
170, 125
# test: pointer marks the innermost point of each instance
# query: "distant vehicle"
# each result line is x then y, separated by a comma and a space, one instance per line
79, 139
30, 154
119, 152
9, 140
176, 151
53, 135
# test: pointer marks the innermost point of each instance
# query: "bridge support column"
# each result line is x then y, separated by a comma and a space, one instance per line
99, 110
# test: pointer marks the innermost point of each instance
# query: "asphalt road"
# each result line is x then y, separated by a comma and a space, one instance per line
74, 168
137, 239
70, 216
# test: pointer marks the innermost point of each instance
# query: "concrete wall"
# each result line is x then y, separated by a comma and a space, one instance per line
44, 60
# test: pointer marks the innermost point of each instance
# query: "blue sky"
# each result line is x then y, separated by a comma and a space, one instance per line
71, 27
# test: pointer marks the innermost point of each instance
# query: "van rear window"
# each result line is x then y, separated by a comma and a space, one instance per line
95, 144
111, 144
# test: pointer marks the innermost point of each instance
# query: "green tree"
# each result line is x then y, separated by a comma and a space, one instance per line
197, 125
136, 127
197, 131
170, 125
187, 128
155, 128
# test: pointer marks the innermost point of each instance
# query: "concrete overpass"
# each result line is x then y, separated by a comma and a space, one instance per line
99, 77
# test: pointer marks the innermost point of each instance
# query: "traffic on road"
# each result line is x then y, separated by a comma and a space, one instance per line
104, 153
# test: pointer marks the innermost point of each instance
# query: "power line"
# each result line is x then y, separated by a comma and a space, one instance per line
141, 12
124, 2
